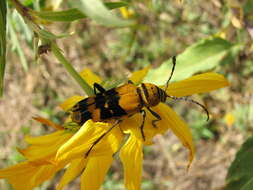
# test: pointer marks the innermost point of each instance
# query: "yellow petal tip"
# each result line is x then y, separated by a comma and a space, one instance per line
70, 102
48, 122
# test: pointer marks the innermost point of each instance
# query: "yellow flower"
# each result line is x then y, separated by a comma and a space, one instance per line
37, 168
229, 119
67, 148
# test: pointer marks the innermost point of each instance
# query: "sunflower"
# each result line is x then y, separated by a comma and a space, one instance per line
68, 145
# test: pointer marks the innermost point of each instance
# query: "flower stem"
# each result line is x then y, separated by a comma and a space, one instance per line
57, 52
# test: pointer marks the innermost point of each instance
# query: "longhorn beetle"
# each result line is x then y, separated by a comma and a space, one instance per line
123, 101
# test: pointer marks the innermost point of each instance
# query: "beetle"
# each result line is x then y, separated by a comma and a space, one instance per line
121, 102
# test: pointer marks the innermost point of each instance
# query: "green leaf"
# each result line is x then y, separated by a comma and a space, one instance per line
201, 56
50, 36
16, 43
3, 12
20, 26
28, 2
44, 34
115, 5
60, 16
72, 14
97, 11
240, 173
17, 25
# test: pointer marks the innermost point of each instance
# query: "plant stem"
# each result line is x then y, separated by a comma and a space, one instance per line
57, 52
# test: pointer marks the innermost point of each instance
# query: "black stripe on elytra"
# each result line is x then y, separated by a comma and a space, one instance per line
145, 90
117, 110
100, 100
113, 104
82, 105
82, 114
110, 97
105, 113
138, 90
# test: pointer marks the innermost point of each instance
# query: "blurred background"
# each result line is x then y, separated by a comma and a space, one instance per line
165, 28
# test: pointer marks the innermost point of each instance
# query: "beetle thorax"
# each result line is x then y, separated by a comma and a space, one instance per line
151, 94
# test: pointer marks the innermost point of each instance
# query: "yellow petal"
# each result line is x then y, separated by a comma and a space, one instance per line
48, 123
80, 143
95, 171
197, 84
178, 127
70, 102
133, 125
115, 138
18, 175
27, 175
43, 148
87, 132
44, 173
138, 76
131, 156
170, 120
46, 151
15, 168
104, 147
75, 168
90, 77
48, 139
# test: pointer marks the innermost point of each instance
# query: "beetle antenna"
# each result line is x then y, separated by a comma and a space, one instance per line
172, 71
192, 101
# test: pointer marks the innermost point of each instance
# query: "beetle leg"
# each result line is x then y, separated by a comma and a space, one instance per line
99, 138
98, 87
158, 117
143, 112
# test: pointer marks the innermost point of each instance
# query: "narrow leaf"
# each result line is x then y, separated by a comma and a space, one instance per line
60, 16
3, 12
201, 56
72, 14
115, 5
16, 46
50, 36
28, 2
97, 11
